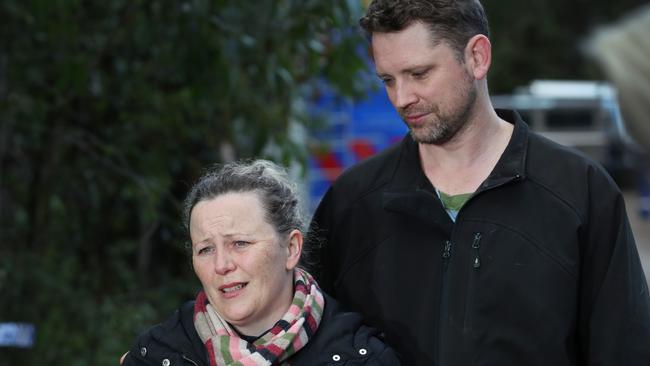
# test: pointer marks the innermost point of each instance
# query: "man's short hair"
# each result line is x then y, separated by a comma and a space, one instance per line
451, 21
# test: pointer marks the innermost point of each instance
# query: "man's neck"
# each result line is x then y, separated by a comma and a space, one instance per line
463, 163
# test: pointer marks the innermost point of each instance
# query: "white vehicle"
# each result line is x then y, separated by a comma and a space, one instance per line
581, 114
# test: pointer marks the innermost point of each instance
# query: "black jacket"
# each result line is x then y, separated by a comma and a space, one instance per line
341, 339
540, 267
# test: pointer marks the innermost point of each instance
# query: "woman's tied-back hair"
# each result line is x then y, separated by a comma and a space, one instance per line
277, 193
451, 21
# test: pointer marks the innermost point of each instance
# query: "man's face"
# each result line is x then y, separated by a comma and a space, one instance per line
432, 91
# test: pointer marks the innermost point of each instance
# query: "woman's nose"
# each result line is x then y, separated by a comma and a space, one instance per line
223, 263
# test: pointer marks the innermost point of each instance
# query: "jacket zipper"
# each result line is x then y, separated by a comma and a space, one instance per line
446, 257
469, 299
446, 253
476, 245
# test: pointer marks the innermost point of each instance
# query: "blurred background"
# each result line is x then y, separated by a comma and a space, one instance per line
109, 110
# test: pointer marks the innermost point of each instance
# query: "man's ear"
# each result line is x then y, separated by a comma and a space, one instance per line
294, 249
478, 56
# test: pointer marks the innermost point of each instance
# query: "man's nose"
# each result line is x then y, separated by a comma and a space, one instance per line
403, 95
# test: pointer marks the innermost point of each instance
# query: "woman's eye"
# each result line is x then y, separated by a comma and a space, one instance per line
205, 250
241, 244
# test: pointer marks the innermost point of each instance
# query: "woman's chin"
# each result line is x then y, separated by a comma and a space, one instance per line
235, 313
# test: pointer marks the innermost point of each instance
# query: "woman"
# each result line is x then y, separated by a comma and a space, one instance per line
257, 306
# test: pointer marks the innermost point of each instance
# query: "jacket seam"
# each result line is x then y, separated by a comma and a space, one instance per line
540, 247
356, 260
556, 195
360, 197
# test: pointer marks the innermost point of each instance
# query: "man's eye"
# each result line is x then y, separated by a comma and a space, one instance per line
387, 81
419, 75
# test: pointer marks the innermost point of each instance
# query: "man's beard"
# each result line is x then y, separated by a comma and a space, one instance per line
442, 126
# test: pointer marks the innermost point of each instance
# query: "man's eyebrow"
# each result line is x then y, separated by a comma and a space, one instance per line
418, 68
408, 70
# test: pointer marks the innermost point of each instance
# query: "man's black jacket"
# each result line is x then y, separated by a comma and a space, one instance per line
540, 267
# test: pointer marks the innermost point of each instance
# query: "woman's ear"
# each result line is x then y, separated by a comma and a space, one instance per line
294, 249
478, 56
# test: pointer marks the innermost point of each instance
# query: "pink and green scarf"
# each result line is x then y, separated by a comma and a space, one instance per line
274, 347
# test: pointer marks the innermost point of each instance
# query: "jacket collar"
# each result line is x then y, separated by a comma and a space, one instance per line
408, 186
408, 173
512, 164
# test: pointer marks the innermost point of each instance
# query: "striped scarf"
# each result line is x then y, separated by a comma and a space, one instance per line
274, 347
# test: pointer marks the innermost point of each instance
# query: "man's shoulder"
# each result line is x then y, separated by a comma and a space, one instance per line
560, 158
371, 173
565, 171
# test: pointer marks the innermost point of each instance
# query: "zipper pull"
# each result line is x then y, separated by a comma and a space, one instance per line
476, 245
446, 253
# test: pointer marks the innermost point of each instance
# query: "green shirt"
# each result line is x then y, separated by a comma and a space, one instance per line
452, 204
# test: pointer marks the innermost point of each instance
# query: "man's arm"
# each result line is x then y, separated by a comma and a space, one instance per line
319, 235
614, 301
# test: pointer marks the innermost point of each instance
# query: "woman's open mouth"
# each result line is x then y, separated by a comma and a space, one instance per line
232, 289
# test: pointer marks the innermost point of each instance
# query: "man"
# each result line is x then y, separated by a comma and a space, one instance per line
476, 241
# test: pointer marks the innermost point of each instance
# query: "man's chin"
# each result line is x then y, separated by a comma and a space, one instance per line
422, 137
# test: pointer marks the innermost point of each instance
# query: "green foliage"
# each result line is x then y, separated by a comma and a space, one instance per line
107, 110
542, 39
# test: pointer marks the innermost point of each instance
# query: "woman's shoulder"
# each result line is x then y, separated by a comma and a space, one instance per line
174, 340
343, 338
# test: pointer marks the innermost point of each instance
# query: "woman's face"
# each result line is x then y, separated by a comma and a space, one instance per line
245, 267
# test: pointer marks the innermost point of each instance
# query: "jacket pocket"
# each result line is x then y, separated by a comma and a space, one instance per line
506, 284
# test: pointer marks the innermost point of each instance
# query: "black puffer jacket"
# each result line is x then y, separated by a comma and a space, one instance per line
539, 268
341, 339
